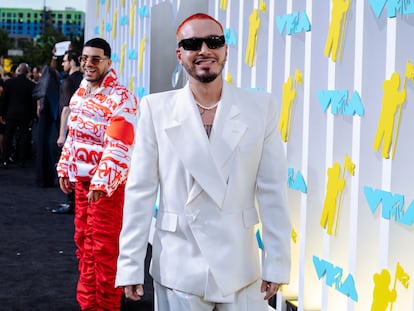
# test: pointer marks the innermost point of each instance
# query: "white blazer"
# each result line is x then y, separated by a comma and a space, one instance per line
205, 226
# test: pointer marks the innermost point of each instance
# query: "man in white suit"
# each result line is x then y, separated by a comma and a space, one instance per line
213, 150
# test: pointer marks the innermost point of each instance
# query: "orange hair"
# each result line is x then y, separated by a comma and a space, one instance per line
195, 16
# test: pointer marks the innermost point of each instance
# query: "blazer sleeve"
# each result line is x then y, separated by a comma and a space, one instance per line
272, 201
140, 196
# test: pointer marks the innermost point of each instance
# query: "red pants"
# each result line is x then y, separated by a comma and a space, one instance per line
97, 228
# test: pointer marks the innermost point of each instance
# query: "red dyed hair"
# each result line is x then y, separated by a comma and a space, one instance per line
198, 16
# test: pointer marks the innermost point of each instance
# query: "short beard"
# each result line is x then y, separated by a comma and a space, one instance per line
206, 79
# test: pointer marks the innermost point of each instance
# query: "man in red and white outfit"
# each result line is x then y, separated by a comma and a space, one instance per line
94, 162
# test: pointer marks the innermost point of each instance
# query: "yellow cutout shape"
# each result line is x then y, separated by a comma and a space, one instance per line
229, 78
108, 2
288, 98
294, 235
114, 19
101, 29
121, 65
382, 295
223, 5
333, 197
131, 83
97, 8
334, 186
392, 101
254, 25
123, 3
409, 74
350, 167
262, 6
336, 32
132, 18
141, 53
402, 276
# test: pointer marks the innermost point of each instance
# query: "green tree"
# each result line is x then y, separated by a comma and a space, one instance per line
43, 48
38, 52
5, 44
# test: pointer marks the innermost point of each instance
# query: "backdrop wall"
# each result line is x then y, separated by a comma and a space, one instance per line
342, 71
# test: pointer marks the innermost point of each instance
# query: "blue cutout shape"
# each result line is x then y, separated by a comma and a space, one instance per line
392, 205
324, 98
333, 277
348, 288
96, 30
324, 268
377, 6
407, 217
115, 57
143, 11
293, 23
393, 7
304, 24
297, 183
319, 267
373, 197
103, 2
230, 36
132, 54
123, 20
141, 92
354, 106
260, 89
108, 27
300, 183
408, 7
337, 100
259, 240
281, 22
404, 7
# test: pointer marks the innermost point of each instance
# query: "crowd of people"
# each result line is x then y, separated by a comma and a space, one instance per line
209, 151
33, 105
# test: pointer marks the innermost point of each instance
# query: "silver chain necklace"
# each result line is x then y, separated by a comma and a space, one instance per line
207, 108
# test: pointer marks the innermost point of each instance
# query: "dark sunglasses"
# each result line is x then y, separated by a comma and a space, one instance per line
194, 44
95, 60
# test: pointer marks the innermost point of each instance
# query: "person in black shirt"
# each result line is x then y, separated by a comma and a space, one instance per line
70, 84
17, 112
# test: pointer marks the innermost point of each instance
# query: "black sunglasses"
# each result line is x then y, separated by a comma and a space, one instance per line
194, 44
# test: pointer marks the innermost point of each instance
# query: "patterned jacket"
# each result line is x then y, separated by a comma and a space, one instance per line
100, 135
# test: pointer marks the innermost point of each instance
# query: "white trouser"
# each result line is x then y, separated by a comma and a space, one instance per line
247, 299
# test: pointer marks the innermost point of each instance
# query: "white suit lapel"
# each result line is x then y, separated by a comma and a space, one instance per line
227, 131
191, 144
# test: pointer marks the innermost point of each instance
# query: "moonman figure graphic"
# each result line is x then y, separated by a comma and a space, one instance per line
390, 102
254, 26
288, 98
334, 186
335, 32
382, 295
